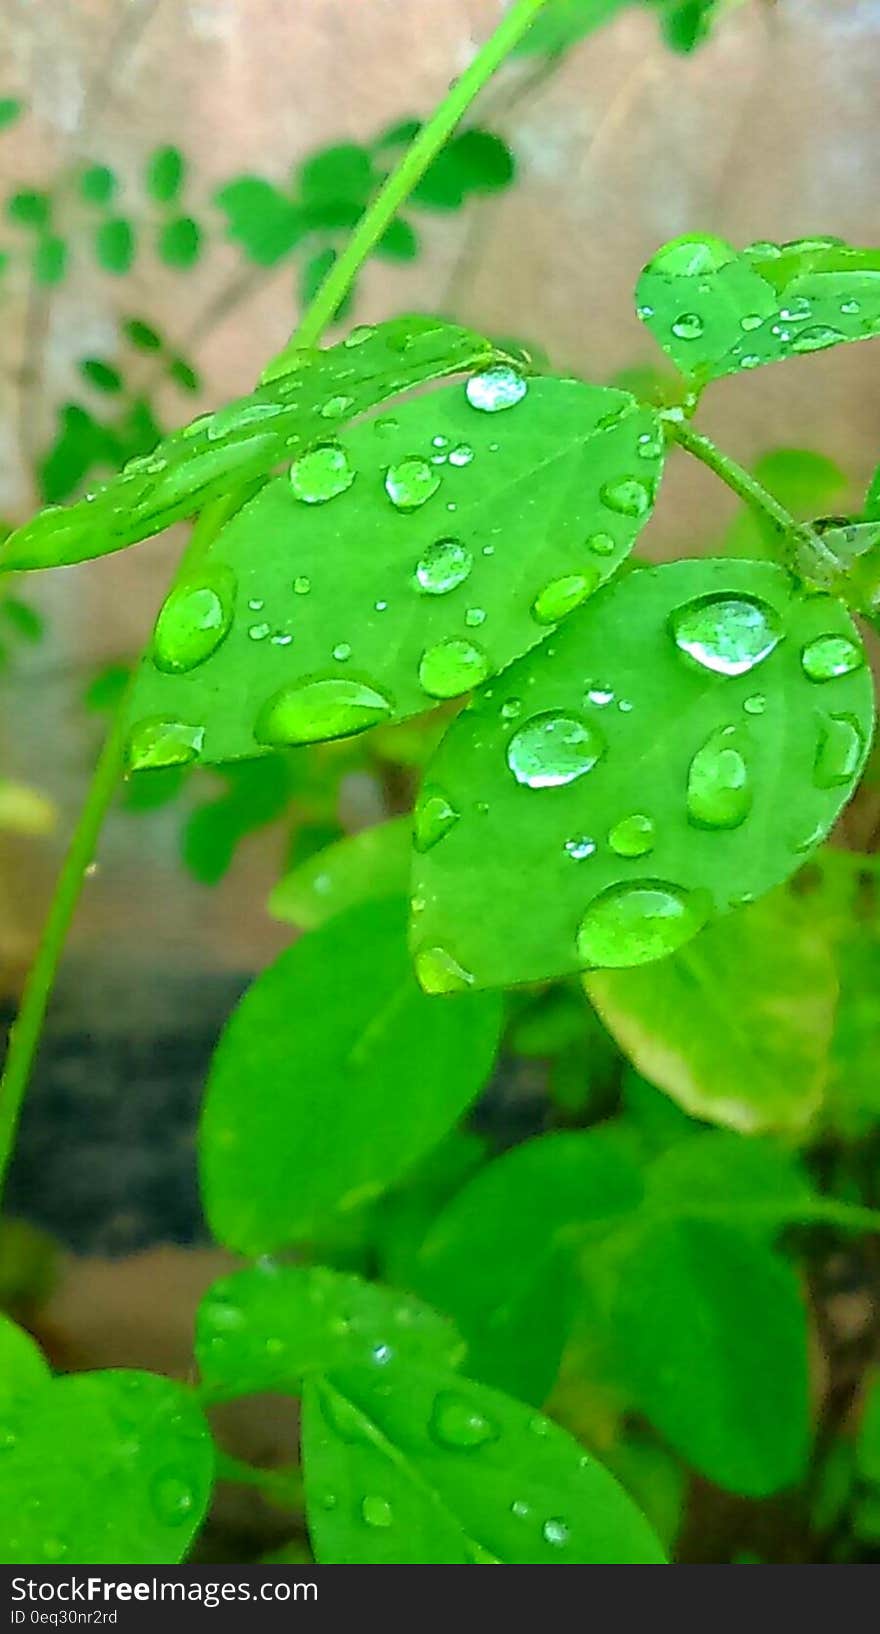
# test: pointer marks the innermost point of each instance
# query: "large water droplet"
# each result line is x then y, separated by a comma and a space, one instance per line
377, 1511
440, 972
195, 618
452, 667
839, 755
561, 596
495, 389
410, 482
455, 1422
433, 817
816, 338
719, 793
632, 836
692, 256
316, 711
726, 633
444, 565
553, 749
688, 327
830, 656
632, 924
321, 474
628, 496
158, 741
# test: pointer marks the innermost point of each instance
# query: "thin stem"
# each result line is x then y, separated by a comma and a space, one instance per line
25, 1036
398, 186
808, 550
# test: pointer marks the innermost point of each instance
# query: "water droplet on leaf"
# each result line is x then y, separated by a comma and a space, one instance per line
195, 618
719, 793
553, 749
840, 750
321, 474
688, 327
444, 565
377, 1511
433, 817
411, 482
728, 634
561, 596
628, 496
317, 711
830, 656
496, 389
452, 667
632, 836
631, 924
157, 741
455, 1422
439, 972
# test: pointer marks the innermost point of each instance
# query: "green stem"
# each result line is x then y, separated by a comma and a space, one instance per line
807, 552
401, 182
25, 1036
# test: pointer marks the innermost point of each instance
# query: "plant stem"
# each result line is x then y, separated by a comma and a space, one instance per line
25, 1036
401, 182
807, 552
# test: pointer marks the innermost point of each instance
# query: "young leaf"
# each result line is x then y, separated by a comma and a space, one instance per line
344, 171
399, 242
269, 1327
264, 221
414, 1465
716, 311
50, 259
257, 793
22, 1366
115, 245
712, 1338
312, 1105
98, 184
678, 748
246, 438
136, 1445
492, 1257
766, 977
180, 242
429, 550
142, 335
165, 174
361, 867
103, 376
475, 161
562, 23
10, 110
29, 208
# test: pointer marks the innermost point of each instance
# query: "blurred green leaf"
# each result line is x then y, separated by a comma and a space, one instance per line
51, 258
180, 242
103, 376
263, 220
11, 109
98, 184
344, 171
29, 208
166, 169
363, 867
115, 245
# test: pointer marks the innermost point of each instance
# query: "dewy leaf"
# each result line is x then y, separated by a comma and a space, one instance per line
490, 1259
246, 438
267, 1328
361, 867
313, 1105
22, 1367
716, 311
735, 1026
677, 748
133, 1483
410, 1465
401, 563
712, 1338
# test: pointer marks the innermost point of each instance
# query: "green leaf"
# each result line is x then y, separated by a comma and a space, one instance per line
668, 758
98, 184
184, 375
492, 1258
312, 274
50, 259
868, 1440
246, 438
22, 1366
716, 311
807, 484
135, 1446
81, 443
257, 793
166, 169
344, 171
411, 1465
263, 220
29, 208
755, 1185
476, 161
562, 23
451, 540
267, 1328
872, 498
103, 376
11, 109
737, 1025
24, 619
399, 242
363, 867
712, 1339
142, 335
685, 24
115, 245
302, 1118
180, 242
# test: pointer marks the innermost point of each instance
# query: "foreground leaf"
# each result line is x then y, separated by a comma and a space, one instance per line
675, 750
271, 1326
715, 310
244, 440
132, 1485
400, 565
414, 1466
736, 1026
363, 867
314, 1105
22, 1366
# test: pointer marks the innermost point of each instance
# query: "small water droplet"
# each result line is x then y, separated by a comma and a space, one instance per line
433, 817
321, 474
462, 455
302, 585
601, 544
755, 703
600, 696
444, 565
632, 836
359, 334
581, 847
337, 407
496, 389
439, 972
719, 793
749, 361
377, 1511
511, 709
728, 634
520, 1509
318, 711
238, 416
158, 741
816, 338
452, 667
474, 617
342, 652
840, 750
553, 749
561, 596
455, 1422
411, 482
54, 1549
631, 924
555, 1531
172, 1498
689, 326
193, 621
830, 656
259, 632
850, 309
750, 322
628, 496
